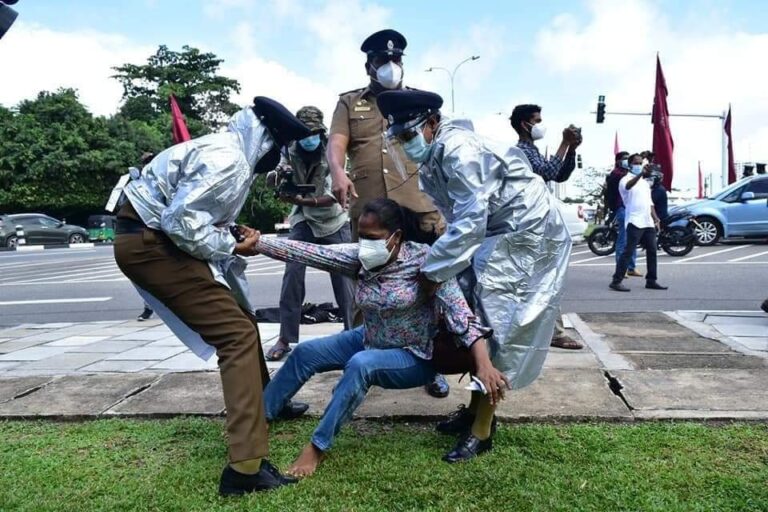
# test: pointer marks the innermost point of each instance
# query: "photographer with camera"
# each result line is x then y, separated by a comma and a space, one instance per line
305, 182
526, 121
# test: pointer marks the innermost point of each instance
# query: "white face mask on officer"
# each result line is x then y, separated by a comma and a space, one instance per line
389, 75
374, 253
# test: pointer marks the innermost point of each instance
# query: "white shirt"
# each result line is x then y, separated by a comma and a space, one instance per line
637, 202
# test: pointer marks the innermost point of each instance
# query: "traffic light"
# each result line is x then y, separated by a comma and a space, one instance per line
600, 109
578, 161
7, 16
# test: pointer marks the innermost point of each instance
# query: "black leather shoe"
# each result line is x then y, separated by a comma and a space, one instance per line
458, 422
292, 410
653, 285
236, 484
618, 287
468, 448
439, 387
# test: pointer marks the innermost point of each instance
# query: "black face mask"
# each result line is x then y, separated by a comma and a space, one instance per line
268, 161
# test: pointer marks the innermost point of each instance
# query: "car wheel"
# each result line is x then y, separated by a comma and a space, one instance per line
76, 238
10, 242
708, 231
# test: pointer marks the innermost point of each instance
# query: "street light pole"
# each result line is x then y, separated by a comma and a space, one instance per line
452, 75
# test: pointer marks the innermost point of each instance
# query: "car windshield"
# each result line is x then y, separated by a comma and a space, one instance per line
727, 191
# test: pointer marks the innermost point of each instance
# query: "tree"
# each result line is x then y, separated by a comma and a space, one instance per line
190, 75
57, 158
262, 209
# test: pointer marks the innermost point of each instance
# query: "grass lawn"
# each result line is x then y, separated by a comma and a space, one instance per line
175, 465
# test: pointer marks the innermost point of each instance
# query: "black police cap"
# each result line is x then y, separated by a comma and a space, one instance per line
399, 108
384, 42
282, 125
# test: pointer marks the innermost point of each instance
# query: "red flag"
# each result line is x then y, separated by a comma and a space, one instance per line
701, 183
178, 126
731, 164
616, 144
662, 136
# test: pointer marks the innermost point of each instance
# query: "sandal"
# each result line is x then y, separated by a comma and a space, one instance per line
277, 352
566, 342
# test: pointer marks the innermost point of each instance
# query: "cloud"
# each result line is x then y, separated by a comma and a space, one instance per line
36, 59
707, 64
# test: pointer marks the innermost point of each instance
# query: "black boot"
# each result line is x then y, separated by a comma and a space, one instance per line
236, 484
458, 422
468, 448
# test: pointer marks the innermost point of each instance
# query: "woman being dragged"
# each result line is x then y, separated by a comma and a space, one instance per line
399, 345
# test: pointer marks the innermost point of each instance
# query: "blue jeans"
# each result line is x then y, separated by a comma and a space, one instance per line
621, 240
392, 368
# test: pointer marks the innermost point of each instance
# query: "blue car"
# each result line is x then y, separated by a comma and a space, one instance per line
741, 210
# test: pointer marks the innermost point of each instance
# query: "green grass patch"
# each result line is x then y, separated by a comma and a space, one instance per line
121, 465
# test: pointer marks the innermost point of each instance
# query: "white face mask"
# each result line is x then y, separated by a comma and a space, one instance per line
373, 253
538, 131
389, 75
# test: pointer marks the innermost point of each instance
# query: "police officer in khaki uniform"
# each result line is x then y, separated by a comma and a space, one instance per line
356, 132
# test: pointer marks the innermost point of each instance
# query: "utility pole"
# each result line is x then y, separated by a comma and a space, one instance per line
452, 75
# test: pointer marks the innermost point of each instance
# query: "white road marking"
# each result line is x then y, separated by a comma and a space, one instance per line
748, 257
54, 301
682, 263
729, 249
590, 259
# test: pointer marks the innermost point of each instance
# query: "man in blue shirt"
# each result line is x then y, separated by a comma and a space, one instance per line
526, 121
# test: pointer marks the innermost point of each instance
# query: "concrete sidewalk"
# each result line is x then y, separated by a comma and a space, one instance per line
676, 365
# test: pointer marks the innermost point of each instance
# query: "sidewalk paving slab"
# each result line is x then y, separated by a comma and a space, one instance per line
76, 396
695, 393
197, 393
11, 388
64, 363
118, 366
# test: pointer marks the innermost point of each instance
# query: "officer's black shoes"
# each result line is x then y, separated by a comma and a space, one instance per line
292, 410
458, 422
468, 448
439, 387
268, 478
653, 285
618, 287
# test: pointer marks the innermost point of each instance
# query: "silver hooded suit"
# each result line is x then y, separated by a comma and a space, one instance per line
193, 192
506, 240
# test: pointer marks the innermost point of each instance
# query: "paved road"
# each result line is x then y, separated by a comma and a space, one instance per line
85, 285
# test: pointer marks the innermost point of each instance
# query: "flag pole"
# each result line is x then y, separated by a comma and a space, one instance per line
724, 152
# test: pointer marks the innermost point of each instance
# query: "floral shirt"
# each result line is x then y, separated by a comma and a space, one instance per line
393, 313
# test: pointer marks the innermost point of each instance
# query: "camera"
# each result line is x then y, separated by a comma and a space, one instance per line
286, 185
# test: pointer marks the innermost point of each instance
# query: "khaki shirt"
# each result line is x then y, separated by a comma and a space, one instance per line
372, 171
323, 221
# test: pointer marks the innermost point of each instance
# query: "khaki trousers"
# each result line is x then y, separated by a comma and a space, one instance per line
185, 285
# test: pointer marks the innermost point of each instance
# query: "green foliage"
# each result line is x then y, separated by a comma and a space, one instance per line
55, 157
125, 465
191, 76
262, 209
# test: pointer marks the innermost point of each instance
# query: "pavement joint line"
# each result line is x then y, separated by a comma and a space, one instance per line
709, 331
128, 395
615, 385
596, 342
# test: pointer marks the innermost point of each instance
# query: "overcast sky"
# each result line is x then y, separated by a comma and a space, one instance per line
558, 54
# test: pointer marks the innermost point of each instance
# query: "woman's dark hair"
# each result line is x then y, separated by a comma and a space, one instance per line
392, 216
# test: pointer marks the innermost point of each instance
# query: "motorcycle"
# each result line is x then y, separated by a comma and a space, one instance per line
676, 236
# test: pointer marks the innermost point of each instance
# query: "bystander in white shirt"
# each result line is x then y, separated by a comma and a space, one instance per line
637, 202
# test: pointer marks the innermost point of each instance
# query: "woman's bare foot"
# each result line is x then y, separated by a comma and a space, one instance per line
307, 461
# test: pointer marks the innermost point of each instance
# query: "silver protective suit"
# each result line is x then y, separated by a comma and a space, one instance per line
193, 192
506, 240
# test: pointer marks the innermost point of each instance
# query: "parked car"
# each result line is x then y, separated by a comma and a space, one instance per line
39, 229
740, 210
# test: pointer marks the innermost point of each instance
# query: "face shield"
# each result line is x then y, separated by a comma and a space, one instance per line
405, 142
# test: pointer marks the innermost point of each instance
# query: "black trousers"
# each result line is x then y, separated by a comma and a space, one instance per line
646, 237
